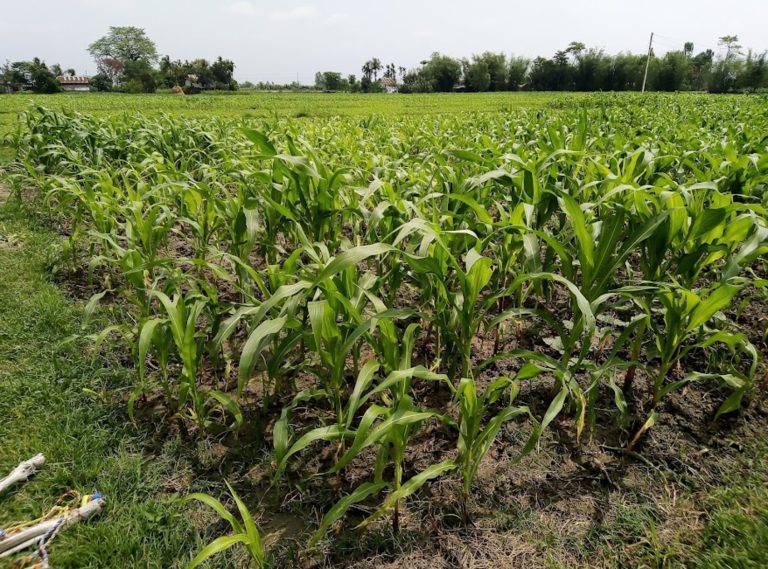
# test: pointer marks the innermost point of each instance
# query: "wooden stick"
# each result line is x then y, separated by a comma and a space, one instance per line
22, 472
26, 538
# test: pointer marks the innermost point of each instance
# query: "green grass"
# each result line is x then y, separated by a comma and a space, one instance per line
47, 407
737, 533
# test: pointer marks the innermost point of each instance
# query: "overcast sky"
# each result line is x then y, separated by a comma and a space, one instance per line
274, 40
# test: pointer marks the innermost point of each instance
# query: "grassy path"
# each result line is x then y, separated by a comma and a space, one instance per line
51, 403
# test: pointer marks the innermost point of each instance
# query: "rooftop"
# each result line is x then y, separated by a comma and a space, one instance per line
73, 80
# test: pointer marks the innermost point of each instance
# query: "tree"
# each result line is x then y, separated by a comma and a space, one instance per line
723, 78
517, 72
332, 81
576, 48
367, 71
11, 77
477, 78
416, 81
626, 73
375, 68
371, 69
222, 71
112, 68
319, 81
726, 71
101, 82
139, 77
497, 69
443, 72
122, 44
33, 75
673, 71
688, 49
592, 70
552, 74
754, 74
732, 46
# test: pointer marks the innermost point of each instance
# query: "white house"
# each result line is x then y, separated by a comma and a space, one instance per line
74, 82
389, 84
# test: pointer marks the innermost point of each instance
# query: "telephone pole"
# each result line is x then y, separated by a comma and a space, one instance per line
647, 63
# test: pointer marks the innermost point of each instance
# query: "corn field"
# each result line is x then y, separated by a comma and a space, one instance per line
345, 288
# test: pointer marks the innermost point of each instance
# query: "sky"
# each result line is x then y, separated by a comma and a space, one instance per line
280, 40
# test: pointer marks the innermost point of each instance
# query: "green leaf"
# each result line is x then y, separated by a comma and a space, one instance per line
254, 537
330, 433
217, 546
257, 341
93, 303
340, 508
350, 258
215, 505
364, 379
409, 487
467, 155
717, 299
145, 341
229, 405
583, 235
260, 140
706, 221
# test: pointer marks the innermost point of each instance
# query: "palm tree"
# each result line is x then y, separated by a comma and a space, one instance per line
732, 45
367, 70
376, 67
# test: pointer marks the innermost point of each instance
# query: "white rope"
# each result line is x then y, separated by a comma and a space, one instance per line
28, 537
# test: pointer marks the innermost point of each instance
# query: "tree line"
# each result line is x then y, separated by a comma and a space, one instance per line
127, 61
575, 68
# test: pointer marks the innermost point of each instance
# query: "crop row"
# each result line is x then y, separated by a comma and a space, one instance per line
354, 283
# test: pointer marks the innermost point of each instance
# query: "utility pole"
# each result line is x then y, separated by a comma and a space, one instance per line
647, 62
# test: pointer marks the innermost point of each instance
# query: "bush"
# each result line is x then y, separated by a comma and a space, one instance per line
101, 82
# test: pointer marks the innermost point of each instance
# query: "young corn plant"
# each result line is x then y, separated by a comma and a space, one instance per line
452, 290
244, 531
683, 328
182, 313
477, 432
388, 428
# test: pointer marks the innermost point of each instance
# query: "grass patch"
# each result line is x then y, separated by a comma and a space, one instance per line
736, 536
50, 404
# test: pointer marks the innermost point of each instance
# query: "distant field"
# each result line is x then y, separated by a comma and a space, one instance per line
297, 105
265, 104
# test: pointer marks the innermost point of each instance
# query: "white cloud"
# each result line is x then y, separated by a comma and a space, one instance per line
242, 8
294, 14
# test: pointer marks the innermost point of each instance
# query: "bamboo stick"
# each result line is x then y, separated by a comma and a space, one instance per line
23, 471
27, 537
